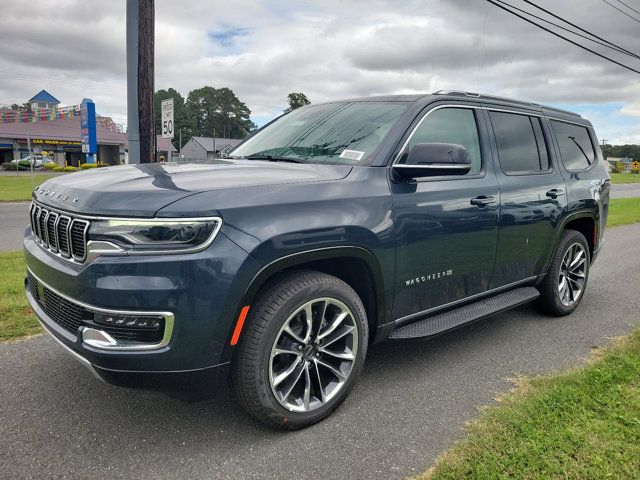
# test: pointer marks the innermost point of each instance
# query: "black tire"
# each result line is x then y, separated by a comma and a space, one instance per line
252, 362
550, 301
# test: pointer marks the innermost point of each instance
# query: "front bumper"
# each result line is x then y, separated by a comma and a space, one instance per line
201, 292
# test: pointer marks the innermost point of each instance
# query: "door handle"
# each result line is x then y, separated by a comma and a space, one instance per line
482, 201
554, 193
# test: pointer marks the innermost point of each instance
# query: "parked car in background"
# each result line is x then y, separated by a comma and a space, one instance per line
36, 161
335, 226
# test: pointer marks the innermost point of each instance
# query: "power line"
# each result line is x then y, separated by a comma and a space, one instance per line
628, 6
603, 43
622, 11
577, 26
493, 2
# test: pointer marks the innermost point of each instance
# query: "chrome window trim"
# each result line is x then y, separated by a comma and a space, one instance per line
417, 126
169, 320
92, 254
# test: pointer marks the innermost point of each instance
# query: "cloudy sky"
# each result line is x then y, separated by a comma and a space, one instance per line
328, 49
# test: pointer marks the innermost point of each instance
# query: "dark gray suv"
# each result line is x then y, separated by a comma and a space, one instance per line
333, 227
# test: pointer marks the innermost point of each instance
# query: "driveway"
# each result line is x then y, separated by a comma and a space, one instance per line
14, 218
625, 190
410, 405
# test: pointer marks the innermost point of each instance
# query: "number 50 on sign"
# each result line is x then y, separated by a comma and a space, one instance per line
167, 118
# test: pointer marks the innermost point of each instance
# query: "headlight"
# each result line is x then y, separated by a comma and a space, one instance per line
153, 235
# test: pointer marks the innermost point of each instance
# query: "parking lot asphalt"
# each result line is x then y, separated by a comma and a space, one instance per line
411, 403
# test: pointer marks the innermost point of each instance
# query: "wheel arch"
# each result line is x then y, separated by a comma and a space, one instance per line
583, 222
356, 266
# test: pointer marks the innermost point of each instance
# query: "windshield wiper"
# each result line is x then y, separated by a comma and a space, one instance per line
272, 158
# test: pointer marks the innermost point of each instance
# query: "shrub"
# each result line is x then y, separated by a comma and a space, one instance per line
49, 166
58, 168
86, 166
70, 169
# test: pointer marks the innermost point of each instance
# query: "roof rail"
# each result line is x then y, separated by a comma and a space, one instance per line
460, 93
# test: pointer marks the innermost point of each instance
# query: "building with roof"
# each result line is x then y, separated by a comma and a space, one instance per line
60, 139
43, 100
625, 162
208, 147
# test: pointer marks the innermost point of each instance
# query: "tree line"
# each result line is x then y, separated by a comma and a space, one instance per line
621, 151
212, 112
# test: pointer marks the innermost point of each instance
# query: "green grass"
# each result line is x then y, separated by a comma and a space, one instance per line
584, 424
623, 211
16, 318
15, 188
625, 178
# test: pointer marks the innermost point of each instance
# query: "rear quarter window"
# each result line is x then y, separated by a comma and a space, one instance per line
576, 148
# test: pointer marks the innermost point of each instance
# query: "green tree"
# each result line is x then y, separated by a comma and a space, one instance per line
296, 100
181, 117
218, 112
25, 107
621, 151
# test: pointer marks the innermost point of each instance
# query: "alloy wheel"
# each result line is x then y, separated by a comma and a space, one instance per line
572, 276
313, 354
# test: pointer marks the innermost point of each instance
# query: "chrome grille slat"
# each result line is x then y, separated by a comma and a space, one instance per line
52, 235
63, 235
78, 238
42, 221
60, 234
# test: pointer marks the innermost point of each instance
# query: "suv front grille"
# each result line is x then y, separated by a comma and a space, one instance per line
72, 316
59, 233
65, 313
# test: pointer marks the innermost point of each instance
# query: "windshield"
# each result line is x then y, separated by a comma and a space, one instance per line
344, 133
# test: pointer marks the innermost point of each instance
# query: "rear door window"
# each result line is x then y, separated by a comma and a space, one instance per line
520, 143
576, 148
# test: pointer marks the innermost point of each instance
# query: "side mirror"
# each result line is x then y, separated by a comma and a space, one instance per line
433, 159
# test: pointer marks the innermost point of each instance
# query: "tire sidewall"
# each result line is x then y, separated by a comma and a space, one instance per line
570, 238
275, 410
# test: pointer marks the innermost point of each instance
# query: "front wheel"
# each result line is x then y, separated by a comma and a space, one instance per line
566, 279
302, 350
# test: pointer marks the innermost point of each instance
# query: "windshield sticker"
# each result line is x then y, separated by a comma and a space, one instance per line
352, 155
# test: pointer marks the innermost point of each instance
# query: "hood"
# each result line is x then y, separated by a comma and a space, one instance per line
142, 190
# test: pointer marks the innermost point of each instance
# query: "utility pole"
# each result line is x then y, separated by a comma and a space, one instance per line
604, 142
180, 145
140, 50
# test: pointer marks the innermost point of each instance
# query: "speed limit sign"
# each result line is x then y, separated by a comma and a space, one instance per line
167, 118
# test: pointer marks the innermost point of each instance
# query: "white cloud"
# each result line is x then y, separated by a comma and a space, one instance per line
330, 49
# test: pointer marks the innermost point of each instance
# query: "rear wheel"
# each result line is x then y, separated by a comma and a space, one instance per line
302, 350
566, 279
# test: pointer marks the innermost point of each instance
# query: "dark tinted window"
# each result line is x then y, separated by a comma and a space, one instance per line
451, 125
576, 148
520, 149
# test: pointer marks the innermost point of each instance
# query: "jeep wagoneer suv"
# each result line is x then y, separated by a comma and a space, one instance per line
335, 226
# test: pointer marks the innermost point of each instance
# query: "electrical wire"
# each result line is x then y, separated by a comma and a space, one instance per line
604, 43
577, 26
502, 7
629, 7
622, 11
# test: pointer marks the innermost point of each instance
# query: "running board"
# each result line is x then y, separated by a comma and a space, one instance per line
460, 316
